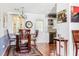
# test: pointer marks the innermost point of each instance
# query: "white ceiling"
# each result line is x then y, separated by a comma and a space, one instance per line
42, 8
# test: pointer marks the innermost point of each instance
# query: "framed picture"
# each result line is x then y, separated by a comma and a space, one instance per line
75, 14
61, 16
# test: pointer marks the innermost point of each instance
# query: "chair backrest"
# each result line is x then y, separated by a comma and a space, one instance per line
8, 34
23, 33
36, 31
75, 35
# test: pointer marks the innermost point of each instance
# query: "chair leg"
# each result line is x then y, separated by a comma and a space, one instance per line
34, 43
76, 51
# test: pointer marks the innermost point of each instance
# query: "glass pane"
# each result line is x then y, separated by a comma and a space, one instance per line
39, 25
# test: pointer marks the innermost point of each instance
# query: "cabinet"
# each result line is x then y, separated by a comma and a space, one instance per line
51, 30
51, 27
51, 37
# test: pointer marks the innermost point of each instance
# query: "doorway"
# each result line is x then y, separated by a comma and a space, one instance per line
18, 23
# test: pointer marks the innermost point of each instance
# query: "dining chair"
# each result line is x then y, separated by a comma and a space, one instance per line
34, 37
76, 40
33, 40
24, 40
12, 37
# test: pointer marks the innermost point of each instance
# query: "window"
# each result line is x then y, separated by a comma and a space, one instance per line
39, 25
18, 23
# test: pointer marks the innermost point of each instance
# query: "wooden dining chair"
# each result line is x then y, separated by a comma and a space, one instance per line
24, 40
76, 40
34, 38
11, 37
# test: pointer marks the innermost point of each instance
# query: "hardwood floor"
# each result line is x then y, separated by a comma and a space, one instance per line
46, 49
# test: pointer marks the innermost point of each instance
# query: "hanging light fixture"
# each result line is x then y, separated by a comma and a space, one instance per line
20, 12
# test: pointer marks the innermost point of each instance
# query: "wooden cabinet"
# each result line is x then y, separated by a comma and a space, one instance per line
51, 29
51, 37
50, 25
50, 21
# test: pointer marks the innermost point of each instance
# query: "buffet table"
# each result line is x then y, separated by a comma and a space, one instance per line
61, 43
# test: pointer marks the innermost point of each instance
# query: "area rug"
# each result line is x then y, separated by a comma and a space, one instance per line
33, 52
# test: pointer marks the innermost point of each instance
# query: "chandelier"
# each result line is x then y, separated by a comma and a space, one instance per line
20, 12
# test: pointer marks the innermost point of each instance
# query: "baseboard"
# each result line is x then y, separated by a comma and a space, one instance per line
6, 51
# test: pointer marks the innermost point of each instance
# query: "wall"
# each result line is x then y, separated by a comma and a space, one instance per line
63, 28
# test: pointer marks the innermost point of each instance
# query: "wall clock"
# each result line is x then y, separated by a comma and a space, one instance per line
28, 24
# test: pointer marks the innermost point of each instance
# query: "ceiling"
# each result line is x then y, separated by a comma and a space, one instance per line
40, 8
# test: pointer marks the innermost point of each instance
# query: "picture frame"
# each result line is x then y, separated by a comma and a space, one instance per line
75, 14
62, 16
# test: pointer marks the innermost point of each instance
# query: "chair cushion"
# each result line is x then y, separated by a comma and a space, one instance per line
12, 36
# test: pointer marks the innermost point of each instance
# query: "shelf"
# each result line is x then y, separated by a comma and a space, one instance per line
51, 30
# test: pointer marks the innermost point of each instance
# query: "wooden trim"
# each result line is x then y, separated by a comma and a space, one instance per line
60, 40
7, 51
75, 40
65, 43
59, 48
